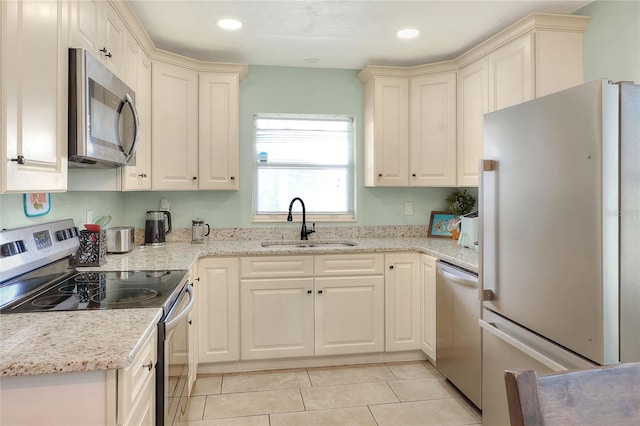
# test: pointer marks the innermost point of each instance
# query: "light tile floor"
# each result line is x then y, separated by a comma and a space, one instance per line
392, 394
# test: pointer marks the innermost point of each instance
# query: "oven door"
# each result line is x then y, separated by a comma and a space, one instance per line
173, 367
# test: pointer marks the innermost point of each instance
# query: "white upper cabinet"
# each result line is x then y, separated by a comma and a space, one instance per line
538, 55
511, 73
218, 131
95, 25
195, 129
473, 103
432, 135
410, 129
136, 176
386, 107
33, 125
174, 153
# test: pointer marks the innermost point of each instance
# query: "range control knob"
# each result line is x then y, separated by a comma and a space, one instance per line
12, 248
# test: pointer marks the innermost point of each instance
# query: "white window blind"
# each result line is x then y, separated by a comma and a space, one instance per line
306, 156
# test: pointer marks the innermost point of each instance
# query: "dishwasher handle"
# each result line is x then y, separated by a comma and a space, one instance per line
457, 276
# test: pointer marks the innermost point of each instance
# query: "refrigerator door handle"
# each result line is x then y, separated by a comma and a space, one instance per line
528, 350
486, 294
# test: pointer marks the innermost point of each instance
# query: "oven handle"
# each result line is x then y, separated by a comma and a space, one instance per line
174, 322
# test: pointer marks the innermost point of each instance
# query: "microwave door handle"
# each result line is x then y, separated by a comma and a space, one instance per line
136, 121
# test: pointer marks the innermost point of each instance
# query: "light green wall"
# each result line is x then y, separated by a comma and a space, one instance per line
611, 50
265, 89
301, 91
612, 41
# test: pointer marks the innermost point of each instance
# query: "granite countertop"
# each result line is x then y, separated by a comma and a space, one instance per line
59, 342
63, 342
183, 255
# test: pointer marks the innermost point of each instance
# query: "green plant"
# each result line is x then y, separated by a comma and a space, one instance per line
460, 202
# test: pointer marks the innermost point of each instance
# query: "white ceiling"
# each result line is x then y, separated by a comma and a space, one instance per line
331, 34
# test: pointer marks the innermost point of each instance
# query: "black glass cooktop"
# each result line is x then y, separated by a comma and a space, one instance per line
97, 290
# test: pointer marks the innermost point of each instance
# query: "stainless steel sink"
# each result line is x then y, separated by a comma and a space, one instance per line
307, 244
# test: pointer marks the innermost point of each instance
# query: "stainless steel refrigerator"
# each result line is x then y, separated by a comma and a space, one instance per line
560, 235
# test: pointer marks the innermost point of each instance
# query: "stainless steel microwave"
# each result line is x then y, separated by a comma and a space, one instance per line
103, 122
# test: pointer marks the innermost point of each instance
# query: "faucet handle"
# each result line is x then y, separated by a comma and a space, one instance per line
312, 230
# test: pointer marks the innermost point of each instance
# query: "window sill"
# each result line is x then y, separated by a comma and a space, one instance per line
297, 217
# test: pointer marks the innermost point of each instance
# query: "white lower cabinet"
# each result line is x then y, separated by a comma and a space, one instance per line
218, 306
137, 387
276, 318
100, 397
428, 305
402, 294
298, 309
349, 315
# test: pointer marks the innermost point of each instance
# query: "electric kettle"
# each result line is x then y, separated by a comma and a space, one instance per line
197, 231
469, 233
157, 226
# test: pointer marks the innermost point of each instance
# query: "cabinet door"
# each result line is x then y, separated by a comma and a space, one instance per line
136, 175
174, 152
218, 134
402, 301
390, 136
432, 137
137, 386
511, 74
473, 103
33, 126
114, 41
276, 318
349, 315
428, 306
218, 310
86, 29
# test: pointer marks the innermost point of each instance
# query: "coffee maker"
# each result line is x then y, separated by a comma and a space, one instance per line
156, 228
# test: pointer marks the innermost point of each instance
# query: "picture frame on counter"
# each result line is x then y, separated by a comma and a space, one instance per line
442, 224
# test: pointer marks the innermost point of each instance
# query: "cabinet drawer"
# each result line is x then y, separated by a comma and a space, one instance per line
352, 264
276, 266
136, 381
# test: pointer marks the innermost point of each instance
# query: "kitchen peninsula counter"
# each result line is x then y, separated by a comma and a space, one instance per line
60, 342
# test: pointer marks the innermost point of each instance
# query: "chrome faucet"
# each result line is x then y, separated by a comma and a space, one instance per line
303, 232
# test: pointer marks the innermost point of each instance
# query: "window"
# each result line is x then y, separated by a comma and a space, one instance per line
306, 156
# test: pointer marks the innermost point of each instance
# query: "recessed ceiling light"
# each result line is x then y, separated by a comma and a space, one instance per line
312, 61
230, 24
408, 33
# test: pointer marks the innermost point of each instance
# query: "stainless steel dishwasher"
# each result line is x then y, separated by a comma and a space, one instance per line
458, 349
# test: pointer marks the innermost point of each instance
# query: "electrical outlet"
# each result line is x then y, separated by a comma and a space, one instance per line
88, 216
164, 204
408, 208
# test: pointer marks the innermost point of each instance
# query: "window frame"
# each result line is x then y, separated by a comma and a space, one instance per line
297, 213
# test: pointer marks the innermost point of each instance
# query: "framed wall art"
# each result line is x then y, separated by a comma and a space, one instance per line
37, 204
442, 224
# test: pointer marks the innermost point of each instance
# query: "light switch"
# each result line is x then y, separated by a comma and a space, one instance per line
408, 208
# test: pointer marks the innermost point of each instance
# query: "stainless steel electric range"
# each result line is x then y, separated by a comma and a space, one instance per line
37, 275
